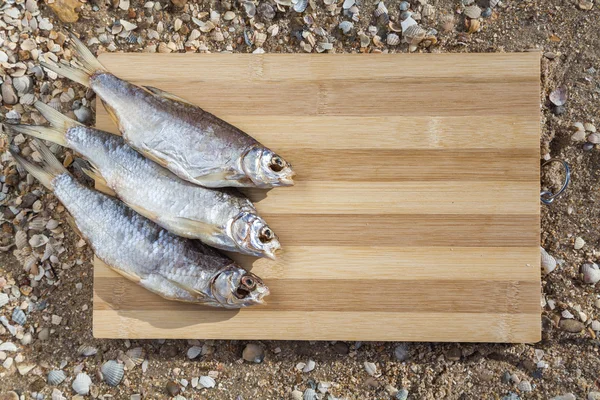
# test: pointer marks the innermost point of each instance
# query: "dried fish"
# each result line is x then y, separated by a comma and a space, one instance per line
193, 144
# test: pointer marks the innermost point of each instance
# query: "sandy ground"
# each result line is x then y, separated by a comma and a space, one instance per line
567, 35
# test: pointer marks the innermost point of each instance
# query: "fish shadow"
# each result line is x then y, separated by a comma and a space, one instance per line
254, 194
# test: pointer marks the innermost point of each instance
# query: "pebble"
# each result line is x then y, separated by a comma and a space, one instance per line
571, 325
340, 348
568, 396
9, 396
524, 386
593, 138
579, 243
173, 388
404, 5
8, 363
310, 365
83, 114
27, 339
588, 146
402, 394
593, 396
371, 368
401, 352
44, 334
559, 110
597, 303
56, 320
297, 395
487, 12
253, 353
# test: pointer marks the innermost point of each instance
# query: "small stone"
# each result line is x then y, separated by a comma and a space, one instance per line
26, 339
66, 10
597, 303
8, 363
568, 396
486, 13
571, 325
453, 354
179, 3
401, 395
340, 348
578, 136
56, 320
297, 395
253, 353
593, 396
401, 352
173, 388
9, 396
524, 386
44, 334
371, 368
593, 138
559, 110
404, 5
579, 243
505, 378
83, 114
207, 382
8, 93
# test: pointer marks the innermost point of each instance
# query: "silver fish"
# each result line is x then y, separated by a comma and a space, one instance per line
135, 247
192, 143
221, 218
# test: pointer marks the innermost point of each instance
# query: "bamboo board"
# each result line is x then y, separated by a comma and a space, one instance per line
415, 216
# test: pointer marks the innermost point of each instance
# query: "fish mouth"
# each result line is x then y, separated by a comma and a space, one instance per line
271, 253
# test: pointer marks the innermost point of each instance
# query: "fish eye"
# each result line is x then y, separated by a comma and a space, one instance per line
265, 235
277, 164
248, 282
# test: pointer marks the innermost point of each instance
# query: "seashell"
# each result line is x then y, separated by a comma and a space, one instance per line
567, 314
259, 38
578, 136
494, 3
19, 316
404, 5
579, 243
558, 97
487, 12
414, 34
37, 224
3, 299
56, 377
407, 23
128, 26
207, 382
591, 273
428, 11
136, 355
8, 346
473, 12
112, 372
588, 126
310, 365
593, 138
81, 384
57, 395
21, 239
194, 352
229, 15
472, 25
300, 6
346, 26
381, 9
392, 39
23, 84
55, 103
38, 241
86, 351
371, 369
595, 325
250, 8
548, 262
309, 394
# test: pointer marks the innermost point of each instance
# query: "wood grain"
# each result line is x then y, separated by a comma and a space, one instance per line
416, 210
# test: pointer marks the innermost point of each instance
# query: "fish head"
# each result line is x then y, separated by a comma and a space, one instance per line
234, 287
253, 236
267, 169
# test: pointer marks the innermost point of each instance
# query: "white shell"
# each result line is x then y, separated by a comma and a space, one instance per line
23, 84
473, 12
128, 25
310, 365
579, 243
494, 3
21, 239
566, 314
136, 355
3, 299
593, 138
56, 377
346, 26
81, 384
371, 368
207, 382
8, 346
38, 240
548, 262
393, 39
588, 126
414, 34
381, 9
300, 6
112, 372
57, 395
194, 352
595, 325
37, 224
591, 273
19, 316
86, 351
428, 11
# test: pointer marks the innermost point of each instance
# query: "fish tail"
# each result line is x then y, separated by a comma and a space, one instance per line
49, 169
90, 65
55, 133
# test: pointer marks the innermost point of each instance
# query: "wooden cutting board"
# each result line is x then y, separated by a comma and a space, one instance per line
415, 216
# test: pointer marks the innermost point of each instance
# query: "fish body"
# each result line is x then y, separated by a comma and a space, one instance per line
222, 218
168, 265
194, 144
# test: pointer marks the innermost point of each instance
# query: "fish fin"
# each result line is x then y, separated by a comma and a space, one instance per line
56, 119
167, 95
191, 290
192, 229
128, 275
91, 65
42, 132
216, 178
50, 166
113, 116
100, 183
72, 73
71, 221
142, 211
